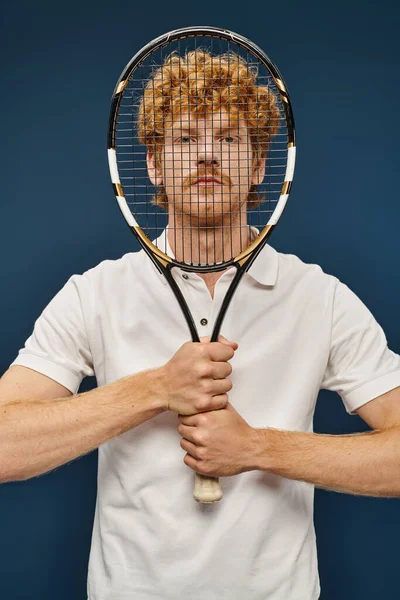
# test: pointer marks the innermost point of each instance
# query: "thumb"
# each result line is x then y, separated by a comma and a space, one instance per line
223, 340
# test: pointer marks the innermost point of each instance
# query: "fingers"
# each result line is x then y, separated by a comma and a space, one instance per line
206, 404
195, 379
219, 352
189, 447
221, 340
220, 370
187, 432
220, 387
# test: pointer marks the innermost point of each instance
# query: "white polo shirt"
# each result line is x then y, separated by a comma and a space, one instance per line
299, 330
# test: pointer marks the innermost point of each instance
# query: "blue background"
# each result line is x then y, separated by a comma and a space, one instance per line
59, 217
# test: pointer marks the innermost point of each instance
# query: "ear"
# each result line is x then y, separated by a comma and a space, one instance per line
155, 174
258, 171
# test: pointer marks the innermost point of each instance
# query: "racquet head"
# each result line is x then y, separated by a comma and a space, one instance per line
201, 139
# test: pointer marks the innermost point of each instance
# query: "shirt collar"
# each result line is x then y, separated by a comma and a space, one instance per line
264, 269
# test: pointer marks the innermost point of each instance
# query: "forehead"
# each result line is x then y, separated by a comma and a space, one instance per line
213, 120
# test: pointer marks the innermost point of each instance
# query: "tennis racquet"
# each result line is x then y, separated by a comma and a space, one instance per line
201, 141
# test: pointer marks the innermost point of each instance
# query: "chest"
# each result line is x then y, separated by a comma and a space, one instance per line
277, 369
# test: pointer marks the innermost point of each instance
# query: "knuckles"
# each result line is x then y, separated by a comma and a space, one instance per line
201, 350
202, 420
207, 387
204, 369
202, 405
202, 453
203, 469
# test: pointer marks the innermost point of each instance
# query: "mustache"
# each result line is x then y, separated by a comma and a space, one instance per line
214, 173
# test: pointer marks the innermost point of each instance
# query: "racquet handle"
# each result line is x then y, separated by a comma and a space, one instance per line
207, 489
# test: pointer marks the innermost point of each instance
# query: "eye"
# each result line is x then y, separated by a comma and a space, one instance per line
228, 139
185, 139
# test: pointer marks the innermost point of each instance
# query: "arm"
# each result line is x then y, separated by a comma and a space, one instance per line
222, 443
366, 464
42, 426
43, 429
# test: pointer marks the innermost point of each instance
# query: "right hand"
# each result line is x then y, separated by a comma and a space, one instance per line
195, 379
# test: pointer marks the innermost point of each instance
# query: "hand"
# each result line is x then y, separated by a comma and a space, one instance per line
218, 443
195, 379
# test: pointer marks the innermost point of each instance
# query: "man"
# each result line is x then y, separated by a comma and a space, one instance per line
299, 330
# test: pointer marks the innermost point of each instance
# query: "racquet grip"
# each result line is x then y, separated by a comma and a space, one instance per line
207, 489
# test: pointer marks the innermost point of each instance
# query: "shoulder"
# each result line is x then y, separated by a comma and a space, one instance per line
109, 274
312, 289
293, 271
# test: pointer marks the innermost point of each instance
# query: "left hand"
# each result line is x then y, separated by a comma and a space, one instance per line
218, 443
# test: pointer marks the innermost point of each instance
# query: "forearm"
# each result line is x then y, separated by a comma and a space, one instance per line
366, 464
37, 436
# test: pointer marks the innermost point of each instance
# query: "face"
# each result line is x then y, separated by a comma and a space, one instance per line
207, 168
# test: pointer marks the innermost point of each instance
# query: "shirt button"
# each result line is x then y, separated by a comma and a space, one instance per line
203, 322
185, 276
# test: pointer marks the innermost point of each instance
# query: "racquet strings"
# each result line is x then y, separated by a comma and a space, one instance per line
184, 103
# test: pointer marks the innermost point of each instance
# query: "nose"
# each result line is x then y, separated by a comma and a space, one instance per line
206, 155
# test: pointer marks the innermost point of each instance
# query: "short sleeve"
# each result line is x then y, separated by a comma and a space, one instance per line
361, 366
58, 346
